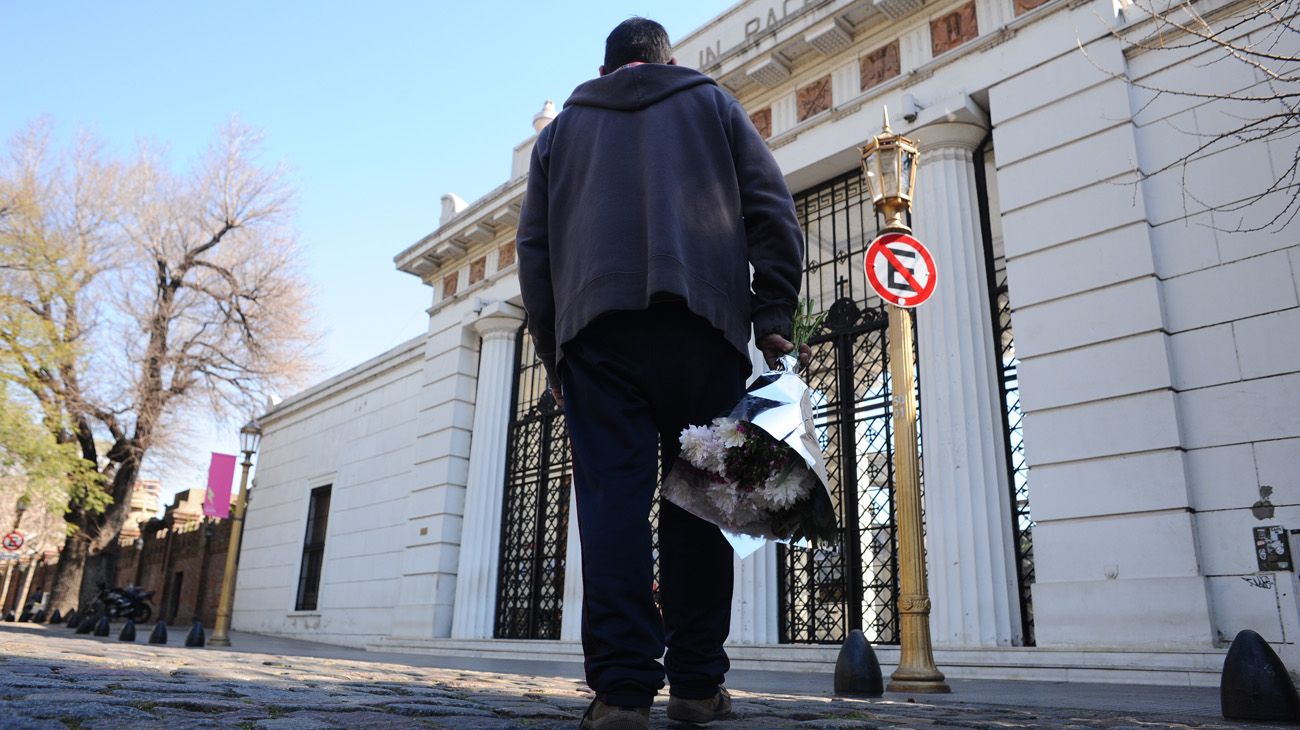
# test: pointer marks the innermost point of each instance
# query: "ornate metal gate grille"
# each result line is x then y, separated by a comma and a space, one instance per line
535, 510
1022, 522
826, 592
1009, 386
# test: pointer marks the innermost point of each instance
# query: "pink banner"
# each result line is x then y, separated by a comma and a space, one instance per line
221, 475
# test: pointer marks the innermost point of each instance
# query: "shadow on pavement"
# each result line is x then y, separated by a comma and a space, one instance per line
50, 677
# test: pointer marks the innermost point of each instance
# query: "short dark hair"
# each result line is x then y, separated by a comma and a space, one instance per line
637, 39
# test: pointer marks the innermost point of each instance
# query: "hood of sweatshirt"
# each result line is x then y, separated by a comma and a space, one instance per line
637, 87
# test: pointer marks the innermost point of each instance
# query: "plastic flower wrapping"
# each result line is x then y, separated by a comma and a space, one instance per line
758, 471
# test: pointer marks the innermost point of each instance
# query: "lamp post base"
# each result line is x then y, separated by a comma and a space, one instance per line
219, 641
922, 681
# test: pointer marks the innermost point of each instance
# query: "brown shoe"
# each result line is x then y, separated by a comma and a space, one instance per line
600, 716
699, 712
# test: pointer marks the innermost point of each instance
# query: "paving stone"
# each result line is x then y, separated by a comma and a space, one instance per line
49, 676
78, 711
367, 720
530, 710
14, 722
435, 710
296, 722
198, 704
477, 723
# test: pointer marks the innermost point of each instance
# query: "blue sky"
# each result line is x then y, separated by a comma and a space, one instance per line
378, 108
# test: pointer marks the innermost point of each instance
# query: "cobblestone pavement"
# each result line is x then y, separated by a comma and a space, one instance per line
50, 678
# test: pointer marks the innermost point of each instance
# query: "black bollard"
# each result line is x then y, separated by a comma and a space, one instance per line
159, 635
87, 624
9, 616
25, 618
56, 617
73, 619
1255, 684
101, 626
128, 631
196, 637
857, 671
39, 617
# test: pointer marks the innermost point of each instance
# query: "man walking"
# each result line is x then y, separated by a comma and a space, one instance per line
651, 198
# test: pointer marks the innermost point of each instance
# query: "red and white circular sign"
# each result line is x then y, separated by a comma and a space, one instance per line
900, 270
13, 541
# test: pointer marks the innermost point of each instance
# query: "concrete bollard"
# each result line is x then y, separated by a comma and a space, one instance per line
87, 624
128, 631
159, 635
196, 637
857, 670
1255, 684
56, 617
101, 626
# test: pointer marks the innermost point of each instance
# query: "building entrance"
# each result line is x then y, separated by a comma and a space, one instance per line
826, 591
823, 592
535, 510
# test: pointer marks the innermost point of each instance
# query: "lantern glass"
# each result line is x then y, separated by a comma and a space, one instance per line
908, 179
249, 436
871, 168
889, 170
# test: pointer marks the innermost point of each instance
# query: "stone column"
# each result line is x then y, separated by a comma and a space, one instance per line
571, 618
753, 602
969, 536
474, 611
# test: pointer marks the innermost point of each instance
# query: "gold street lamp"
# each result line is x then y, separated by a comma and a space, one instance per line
249, 436
890, 162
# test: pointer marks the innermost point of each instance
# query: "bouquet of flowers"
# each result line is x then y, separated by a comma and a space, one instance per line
758, 470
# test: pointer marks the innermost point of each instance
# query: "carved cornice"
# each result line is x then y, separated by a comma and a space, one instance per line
486, 219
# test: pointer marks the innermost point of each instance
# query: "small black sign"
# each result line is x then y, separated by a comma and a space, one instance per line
1273, 548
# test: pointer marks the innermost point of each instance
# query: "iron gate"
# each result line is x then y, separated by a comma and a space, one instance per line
535, 509
827, 591
1009, 388
823, 593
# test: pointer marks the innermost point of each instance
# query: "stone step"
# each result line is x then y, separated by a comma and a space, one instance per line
1193, 668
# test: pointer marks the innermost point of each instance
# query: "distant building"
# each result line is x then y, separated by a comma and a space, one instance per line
181, 557
146, 500
1108, 378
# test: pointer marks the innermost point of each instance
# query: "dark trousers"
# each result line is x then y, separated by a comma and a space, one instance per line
633, 380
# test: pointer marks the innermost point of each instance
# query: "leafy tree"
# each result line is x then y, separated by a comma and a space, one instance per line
135, 297
35, 468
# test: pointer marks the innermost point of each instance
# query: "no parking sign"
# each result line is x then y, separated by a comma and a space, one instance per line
13, 541
901, 270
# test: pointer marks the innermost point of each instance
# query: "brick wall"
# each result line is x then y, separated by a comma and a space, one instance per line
197, 552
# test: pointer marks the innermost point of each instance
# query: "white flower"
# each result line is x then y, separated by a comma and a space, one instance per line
717, 456
697, 446
728, 432
784, 489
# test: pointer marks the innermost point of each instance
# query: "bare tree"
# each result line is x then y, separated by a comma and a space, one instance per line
138, 297
1259, 37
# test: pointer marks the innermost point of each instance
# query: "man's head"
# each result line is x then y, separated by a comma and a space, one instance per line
636, 39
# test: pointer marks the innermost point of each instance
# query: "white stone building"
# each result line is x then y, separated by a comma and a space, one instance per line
1109, 377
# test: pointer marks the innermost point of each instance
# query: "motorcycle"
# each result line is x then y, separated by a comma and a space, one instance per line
130, 602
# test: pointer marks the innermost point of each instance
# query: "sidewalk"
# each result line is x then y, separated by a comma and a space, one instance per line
52, 678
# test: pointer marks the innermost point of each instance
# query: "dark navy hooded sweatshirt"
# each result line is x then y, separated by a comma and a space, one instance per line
653, 181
